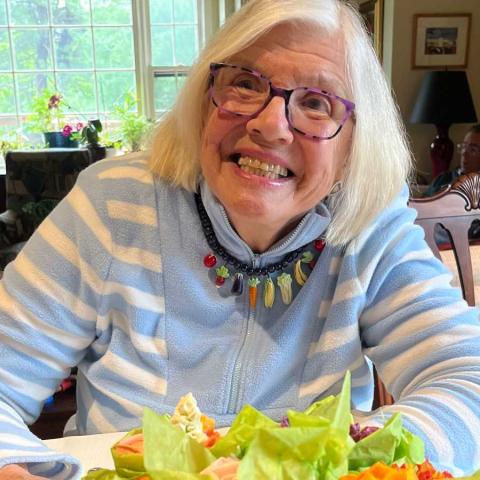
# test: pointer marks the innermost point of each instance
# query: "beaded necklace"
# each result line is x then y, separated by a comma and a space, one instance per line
234, 269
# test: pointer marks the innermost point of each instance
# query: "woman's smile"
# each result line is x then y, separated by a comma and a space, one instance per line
266, 174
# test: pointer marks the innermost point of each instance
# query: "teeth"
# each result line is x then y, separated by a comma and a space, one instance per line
262, 169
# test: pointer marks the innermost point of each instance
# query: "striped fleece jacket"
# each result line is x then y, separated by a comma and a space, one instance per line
113, 281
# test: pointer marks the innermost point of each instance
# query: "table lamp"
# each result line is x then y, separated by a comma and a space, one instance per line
444, 98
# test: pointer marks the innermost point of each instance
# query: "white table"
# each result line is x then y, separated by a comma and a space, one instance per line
91, 450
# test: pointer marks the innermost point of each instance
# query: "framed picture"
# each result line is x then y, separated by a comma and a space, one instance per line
441, 40
372, 13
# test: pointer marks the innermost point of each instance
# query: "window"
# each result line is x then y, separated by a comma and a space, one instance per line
93, 52
174, 46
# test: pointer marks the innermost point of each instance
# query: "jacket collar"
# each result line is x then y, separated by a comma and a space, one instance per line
312, 226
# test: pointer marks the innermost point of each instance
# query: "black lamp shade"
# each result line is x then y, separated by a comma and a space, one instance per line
444, 98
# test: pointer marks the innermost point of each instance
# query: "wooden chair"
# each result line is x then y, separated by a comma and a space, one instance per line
455, 208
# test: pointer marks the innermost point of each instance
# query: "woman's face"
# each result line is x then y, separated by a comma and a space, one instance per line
290, 57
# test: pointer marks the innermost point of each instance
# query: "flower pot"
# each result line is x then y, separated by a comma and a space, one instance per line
57, 140
97, 151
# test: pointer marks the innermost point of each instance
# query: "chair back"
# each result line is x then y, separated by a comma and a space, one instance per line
454, 209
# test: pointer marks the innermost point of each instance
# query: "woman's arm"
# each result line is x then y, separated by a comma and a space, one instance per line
49, 297
425, 343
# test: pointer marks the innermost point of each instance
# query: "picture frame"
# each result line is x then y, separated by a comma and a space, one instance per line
372, 13
441, 40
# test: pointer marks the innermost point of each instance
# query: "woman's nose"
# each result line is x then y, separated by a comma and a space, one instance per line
271, 124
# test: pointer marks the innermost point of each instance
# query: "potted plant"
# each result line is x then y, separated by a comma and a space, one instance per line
11, 140
112, 143
133, 128
48, 117
89, 136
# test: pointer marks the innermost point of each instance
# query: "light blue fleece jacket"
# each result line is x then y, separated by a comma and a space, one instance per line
114, 282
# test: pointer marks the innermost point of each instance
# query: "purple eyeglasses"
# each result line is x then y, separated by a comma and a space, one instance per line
312, 112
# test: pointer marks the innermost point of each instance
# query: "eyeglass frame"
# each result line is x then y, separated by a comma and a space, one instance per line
279, 92
463, 146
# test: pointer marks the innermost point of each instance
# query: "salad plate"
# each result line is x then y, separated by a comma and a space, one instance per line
320, 443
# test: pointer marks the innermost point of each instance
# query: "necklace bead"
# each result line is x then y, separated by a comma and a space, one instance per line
284, 281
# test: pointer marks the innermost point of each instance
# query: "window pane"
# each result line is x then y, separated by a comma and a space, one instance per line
112, 87
162, 46
3, 13
32, 49
5, 63
8, 127
70, 12
185, 11
161, 11
114, 47
73, 48
28, 12
166, 89
186, 47
29, 85
112, 12
7, 94
78, 90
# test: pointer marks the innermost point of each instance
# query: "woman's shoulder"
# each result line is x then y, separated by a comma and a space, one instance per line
128, 179
387, 230
128, 166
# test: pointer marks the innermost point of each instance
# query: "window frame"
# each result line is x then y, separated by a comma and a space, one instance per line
146, 71
143, 70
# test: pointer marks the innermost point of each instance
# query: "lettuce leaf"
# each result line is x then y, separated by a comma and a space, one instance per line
300, 453
102, 474
242, 431
390, 444
335, 409
169, 451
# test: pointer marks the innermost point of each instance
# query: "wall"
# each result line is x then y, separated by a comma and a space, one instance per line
405, 81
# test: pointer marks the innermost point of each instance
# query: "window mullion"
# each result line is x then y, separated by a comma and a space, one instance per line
12, 60
143, 57
94, 60
52, 46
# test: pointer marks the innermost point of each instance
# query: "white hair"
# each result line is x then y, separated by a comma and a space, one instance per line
379, 162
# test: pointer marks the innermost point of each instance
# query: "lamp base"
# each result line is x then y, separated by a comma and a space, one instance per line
441, 151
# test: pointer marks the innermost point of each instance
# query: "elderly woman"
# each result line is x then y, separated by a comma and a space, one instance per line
252, 259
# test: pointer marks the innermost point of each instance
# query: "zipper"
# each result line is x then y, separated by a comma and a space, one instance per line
237, 367
256, 259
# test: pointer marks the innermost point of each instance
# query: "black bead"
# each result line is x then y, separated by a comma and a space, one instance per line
230, 260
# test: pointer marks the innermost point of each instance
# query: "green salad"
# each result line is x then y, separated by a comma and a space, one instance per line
314, 444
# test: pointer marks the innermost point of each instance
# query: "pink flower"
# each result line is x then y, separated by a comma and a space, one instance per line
67, 130
54, 101
79, 126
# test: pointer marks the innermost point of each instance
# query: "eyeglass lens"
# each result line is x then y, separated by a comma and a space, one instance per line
313, 113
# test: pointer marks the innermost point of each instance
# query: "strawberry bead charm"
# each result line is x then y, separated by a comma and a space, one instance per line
222, 274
